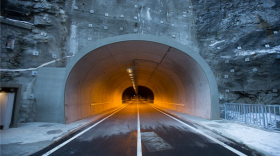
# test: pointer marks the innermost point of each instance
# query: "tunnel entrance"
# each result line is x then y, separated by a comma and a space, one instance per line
143, 92
178, 77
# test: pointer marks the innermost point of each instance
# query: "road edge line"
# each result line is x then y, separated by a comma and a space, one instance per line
74, 137
198, 131
139, 145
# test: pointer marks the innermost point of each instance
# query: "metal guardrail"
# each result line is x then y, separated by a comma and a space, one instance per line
267, 116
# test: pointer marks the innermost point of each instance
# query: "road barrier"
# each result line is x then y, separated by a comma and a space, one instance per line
267, 116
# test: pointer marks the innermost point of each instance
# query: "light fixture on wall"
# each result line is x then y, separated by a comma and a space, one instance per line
10, 42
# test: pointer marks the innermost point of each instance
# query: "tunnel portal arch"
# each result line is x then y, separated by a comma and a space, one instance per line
178, 76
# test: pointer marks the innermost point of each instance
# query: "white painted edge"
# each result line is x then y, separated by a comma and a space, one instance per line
139, 146
169, 103
207, 136
74, 137
106, 102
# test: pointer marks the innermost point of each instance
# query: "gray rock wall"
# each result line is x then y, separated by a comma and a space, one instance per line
226, 34
240, 41
169, 19
33, 47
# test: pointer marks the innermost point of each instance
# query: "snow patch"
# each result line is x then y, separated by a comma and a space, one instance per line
149, 15
225, 57
262, 51
24, 22
213, 44
260, 139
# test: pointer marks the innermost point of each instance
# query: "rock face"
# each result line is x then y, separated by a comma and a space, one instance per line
239, 39
32, 48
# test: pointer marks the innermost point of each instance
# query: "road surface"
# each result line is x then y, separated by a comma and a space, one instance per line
117, 135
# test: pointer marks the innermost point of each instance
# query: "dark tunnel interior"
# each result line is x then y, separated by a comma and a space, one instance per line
144, 93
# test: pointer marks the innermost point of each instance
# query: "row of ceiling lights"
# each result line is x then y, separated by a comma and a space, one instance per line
132, 77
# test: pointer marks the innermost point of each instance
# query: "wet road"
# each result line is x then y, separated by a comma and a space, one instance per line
183, 140
117, 136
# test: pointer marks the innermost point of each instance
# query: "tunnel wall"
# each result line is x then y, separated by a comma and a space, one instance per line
190, 89
88, 95
49, 93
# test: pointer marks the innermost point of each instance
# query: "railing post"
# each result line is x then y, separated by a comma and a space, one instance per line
244, 107
275, 117
266, 118
239, 112
251, 111
235, 112
263, 118
270, 116
254, 109
230, 114
225, 106
259, 119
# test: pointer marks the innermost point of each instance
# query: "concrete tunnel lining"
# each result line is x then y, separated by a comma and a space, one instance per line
184, 79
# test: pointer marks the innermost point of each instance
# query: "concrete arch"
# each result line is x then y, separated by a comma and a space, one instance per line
179, 77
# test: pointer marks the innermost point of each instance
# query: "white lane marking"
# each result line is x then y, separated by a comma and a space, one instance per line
74, 137
209, 137
139, 146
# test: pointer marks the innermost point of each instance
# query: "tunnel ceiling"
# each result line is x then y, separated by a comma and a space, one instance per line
176, 80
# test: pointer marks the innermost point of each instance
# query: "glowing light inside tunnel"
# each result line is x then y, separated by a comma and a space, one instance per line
131, 75
129, 70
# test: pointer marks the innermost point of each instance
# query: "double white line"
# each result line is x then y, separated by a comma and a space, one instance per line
139, 146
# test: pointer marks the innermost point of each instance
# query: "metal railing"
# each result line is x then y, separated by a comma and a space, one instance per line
266, 116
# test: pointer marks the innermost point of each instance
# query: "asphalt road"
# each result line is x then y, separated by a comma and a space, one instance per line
160, 135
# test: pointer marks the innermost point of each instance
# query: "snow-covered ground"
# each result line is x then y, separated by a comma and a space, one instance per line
266, 142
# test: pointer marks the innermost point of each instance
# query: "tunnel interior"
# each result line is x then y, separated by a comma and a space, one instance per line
98, 81
144, 92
